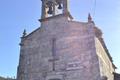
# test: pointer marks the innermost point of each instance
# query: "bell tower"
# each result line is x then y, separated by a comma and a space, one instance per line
51, 8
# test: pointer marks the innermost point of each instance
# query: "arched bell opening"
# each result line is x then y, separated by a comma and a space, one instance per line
53, 7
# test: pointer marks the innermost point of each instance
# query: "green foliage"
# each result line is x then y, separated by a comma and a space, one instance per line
2, 78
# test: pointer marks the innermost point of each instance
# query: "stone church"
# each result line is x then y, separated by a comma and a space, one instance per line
64, 49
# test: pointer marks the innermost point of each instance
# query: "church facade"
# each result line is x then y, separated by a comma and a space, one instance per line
63, 49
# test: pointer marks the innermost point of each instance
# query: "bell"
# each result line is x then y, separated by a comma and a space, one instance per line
50, 10
60, 6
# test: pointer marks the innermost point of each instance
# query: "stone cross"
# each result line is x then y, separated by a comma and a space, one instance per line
54, 59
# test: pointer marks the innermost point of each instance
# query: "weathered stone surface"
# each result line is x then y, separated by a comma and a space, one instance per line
106, 66
62, 49
78, 52
75, 50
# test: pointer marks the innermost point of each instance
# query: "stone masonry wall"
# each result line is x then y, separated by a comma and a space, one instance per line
106, 67
74, 48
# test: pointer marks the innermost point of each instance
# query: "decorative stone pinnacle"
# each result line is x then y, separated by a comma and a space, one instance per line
89, 18
24, 33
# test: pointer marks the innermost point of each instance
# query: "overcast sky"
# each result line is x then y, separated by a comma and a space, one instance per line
17, 15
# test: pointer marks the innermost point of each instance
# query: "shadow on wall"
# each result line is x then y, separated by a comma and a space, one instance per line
116, 76
104, 78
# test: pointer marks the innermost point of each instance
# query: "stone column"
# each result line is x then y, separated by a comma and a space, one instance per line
43, 14
65, 6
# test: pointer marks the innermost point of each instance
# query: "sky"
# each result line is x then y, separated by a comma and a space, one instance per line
17, 15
